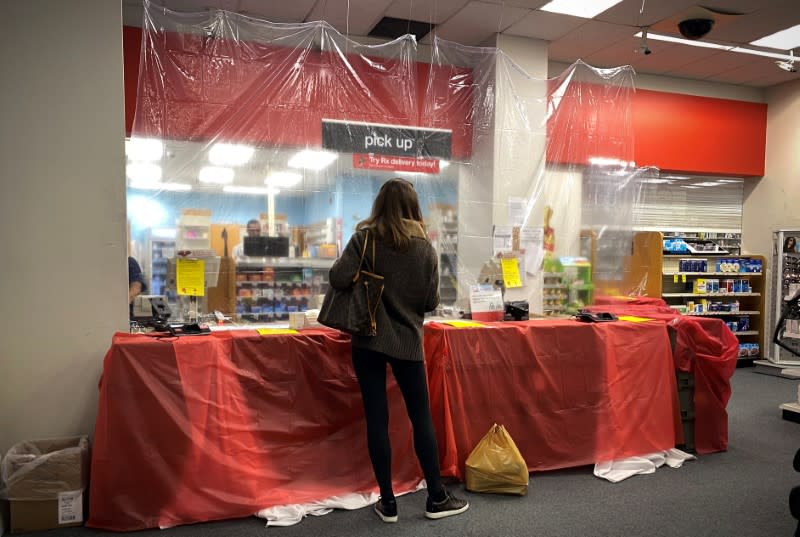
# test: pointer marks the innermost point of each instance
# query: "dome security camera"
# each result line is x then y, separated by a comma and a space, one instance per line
695, 28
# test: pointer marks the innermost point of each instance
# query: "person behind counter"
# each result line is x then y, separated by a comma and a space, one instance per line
136, 283
409, 265
253, 230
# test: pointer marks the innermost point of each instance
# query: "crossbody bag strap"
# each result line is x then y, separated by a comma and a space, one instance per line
363, 253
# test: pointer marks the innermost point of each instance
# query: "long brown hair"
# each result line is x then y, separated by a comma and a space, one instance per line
395, 201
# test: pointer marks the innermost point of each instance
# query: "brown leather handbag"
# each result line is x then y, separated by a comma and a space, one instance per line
354, 310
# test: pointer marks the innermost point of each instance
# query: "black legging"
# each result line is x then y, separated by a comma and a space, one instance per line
370, 367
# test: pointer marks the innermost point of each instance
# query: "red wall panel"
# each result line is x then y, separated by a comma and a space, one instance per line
699, 134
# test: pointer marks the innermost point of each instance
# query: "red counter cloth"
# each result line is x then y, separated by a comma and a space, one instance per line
706, 348
221, 426
569, 393
603, 300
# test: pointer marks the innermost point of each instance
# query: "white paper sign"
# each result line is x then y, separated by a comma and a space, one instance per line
516, 211
531, 240
482, 300
502, 239
70, 507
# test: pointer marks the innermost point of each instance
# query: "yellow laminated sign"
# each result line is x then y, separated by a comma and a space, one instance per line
496, 465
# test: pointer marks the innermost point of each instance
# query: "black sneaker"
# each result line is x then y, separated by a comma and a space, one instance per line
387, 510
448, 507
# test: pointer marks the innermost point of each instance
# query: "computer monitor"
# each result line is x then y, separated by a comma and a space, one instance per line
266, 246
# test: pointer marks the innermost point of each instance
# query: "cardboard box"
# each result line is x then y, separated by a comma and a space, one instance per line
45, 482
41, 515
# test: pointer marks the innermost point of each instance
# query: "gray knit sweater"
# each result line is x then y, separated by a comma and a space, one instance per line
411, 288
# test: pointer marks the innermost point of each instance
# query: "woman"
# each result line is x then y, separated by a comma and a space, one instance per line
409, 265
790, 245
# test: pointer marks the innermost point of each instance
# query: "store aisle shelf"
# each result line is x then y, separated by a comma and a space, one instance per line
713, 295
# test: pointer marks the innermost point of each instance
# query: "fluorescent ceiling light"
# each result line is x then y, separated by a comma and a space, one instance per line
283, 179
784, 40
216, 175
672, 39
144, 149
690, 186
143, 172
708, 44
709, 183
743, 50
443, 164
230, 154
176, 187
656, 181
606, 161
586, 9
253, 190
312, 160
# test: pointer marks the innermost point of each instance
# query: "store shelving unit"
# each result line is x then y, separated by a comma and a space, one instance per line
159, 247
443, 231
194, 230
269, 289
677, 285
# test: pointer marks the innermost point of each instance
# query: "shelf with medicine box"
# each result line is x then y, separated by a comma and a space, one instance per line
710, 284
442, 226
268, 292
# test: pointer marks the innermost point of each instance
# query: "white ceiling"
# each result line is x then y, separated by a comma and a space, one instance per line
606, 41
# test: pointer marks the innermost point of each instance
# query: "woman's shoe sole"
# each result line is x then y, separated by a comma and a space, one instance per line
387, 519
445, 514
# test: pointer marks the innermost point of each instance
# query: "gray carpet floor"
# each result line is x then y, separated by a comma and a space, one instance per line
742, 492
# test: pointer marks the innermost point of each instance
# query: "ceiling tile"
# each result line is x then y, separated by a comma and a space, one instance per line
589, 38
544, 25
363, 14
478, 21
436, 12
770, 18
296, 10
627, 11
527, 4
719, 62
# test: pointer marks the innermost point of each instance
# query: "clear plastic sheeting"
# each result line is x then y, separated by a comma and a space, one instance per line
44, 469
257, 147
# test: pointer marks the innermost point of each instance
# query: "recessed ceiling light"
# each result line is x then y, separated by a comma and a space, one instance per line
283, 179
144, 149
783, 40
312, 160
143, 172
223, 154
216, 175
586, 9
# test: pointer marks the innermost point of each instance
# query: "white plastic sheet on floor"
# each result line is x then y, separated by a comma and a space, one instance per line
289, 515
616, 471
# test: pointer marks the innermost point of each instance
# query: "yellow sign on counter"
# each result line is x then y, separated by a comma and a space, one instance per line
633, 319
456, 323
190, 275
510, 267
276, 331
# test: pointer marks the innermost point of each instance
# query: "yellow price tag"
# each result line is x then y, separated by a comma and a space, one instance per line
510, 267
190, 276
463, 324
633, 319
276, 331
675, 278
683, 277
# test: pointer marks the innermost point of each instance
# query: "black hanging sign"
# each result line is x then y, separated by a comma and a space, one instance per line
357, 137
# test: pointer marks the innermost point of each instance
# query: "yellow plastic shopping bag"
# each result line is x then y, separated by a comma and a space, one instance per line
496, 465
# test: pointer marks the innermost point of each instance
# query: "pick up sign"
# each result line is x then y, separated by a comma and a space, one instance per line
403, 141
